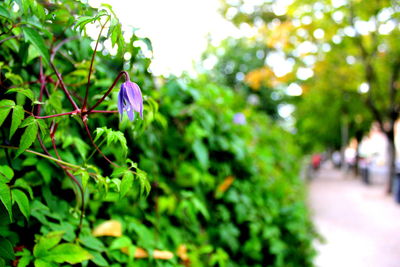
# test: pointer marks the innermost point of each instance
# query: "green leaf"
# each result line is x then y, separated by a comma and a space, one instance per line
38, 42
99, 260
42, 263
4, 13
5, 106
82, 21
21, 183
22, 201
144, 182
6, 249
6, 174
43, 127
5, 198
120, 242
91, 242
26, 92
85, 179
27, 138
47, 242
201, 153
69, 253
24, 261
17, 117
126, 183
28, 121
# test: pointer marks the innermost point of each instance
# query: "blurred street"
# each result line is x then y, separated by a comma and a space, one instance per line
360, 224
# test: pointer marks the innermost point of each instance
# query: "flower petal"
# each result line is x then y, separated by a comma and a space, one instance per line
121, 101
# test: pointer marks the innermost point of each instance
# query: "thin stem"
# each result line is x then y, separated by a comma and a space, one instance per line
110, 89
82, 199
95, 146
91, 65
58, 115
103, 111
45, 156
42, 80
94, 151
58, 46
67, 93
10, 37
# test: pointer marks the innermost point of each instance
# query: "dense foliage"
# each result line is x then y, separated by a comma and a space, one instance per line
224, 191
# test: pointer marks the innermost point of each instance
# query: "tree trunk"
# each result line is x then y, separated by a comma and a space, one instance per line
391, 160
345, 141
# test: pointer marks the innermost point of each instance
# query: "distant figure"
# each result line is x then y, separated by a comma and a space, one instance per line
316, 161
336, 159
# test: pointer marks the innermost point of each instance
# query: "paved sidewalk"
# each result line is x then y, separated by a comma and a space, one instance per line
360, 224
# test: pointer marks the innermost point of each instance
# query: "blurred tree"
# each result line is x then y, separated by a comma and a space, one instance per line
350, 46
230, 61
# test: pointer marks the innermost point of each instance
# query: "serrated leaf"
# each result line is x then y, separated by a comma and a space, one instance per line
69, 253
16, 119
47, 242
5, 198
82, 21
144, 183
43, 127
22, 202
28, 121
38, 42
126, 183
6, 174
99, 132
26, 92
27, 138
6, 249
5, 106
20, 183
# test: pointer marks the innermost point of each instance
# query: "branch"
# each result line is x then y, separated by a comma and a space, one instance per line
63, 87
91, 65
110, 89
95, 146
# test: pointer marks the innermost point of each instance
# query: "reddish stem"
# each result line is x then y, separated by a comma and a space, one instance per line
58, 115
42, 80
67, 93
95, 146
91, 66
103, 111
110, 89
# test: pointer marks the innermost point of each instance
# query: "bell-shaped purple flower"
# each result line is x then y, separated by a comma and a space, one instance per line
130, 99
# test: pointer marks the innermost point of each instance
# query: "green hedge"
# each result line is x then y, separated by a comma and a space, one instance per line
222, 193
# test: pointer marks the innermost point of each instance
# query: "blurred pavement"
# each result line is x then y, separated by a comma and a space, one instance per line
360, 224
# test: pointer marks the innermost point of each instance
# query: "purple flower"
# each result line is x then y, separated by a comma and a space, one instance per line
239, 118
130, 99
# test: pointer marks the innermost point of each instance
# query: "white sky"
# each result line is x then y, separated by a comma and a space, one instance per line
177, 28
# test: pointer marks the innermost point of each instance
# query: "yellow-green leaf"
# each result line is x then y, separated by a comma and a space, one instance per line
17, 117
5, 198
27, 138
22, 202
38, 42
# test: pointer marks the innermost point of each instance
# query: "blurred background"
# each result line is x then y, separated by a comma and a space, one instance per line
327, 72
270, 134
